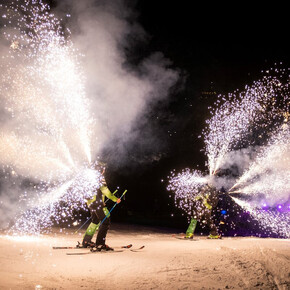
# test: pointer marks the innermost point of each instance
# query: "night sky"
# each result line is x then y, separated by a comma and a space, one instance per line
217, 48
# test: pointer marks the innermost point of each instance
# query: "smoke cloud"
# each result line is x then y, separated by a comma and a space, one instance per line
121, 93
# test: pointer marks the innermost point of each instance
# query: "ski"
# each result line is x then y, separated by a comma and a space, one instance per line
119, 249
184, 238
79, 246
218, 238
127, 247
94, 252
138, 249
63, 248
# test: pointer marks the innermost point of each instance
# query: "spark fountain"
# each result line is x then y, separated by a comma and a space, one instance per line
186, 186
47, 134
256, 119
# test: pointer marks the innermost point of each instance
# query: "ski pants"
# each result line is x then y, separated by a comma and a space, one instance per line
207, 218
97, 215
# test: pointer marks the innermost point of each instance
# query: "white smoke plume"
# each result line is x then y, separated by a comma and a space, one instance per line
121, 92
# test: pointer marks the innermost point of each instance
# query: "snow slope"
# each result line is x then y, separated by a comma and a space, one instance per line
164, 263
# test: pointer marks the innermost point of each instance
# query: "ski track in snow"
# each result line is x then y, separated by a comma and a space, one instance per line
164, 263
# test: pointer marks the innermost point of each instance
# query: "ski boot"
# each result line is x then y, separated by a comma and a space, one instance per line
214, 237
100, 248
87, 242
188, 236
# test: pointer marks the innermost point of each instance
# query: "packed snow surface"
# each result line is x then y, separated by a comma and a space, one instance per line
164, 263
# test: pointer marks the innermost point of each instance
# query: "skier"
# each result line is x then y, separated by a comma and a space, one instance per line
205, 202
98, 213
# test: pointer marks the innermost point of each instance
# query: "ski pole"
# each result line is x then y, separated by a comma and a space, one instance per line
82, 225
91, 217
112, 208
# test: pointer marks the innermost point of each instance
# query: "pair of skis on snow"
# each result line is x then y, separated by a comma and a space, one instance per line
93, 250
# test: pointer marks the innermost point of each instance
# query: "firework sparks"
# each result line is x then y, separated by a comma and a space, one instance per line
258, 116
43, 90
48, 128
186, 186
269, 221
58, 204
270, 172
243, 118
